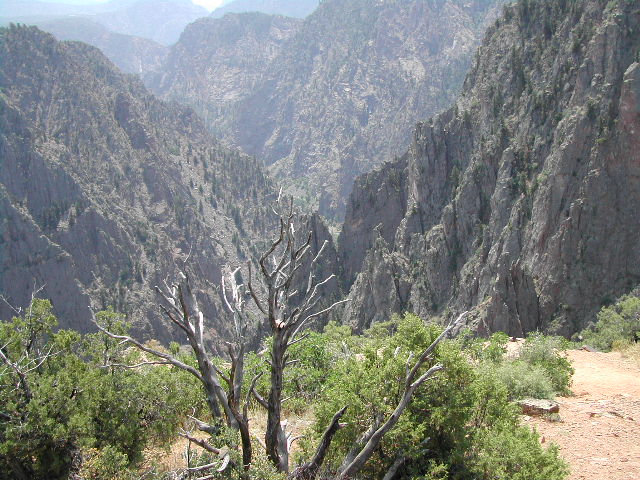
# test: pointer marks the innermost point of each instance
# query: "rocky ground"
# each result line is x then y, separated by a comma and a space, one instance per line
599, 430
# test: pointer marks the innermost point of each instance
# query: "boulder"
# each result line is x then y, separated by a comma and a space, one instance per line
536, 407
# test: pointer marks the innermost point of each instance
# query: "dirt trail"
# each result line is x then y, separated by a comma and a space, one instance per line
599, 431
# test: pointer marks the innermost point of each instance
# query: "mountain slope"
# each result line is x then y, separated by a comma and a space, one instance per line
218, 62
130, 54
522, 202
159, 20
104, 189
342, 93
287, 8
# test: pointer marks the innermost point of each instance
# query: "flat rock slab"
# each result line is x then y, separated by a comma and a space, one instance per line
534, 406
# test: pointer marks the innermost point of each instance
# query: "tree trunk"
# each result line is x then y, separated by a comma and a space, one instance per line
275, 438
245, 438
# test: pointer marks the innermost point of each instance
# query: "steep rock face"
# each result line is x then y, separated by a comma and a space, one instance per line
523, 200
341, 94
104, 189
287, 8
130, 54
218, 62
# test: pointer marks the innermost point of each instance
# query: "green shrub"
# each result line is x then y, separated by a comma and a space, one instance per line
540, 370
105, 464
545, 352
74, 404
515, 454
523, 380
619, 322
454, 427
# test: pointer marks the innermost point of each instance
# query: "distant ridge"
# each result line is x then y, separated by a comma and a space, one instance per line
287, 8
332, 96
159, 20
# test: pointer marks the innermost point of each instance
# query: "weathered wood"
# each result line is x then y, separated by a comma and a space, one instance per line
309, 470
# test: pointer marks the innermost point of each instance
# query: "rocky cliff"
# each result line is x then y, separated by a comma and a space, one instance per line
219, 62
104, 188
339, 92
520, 203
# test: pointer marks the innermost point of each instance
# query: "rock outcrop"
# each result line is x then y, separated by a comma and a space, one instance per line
520, 203
538, 407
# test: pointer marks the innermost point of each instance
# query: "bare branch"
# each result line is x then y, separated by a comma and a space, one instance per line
21, 375
293, 342
273, 247
203, 426
200, 442
309, 470
260, 441
259, 398
252, 292
173, 319
425, 377
202, 468
395, 466
169, 358
137, 365
250, 392
221, 374
314, 315
171, 300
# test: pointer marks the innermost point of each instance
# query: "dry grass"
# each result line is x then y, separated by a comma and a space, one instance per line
631, 352
173, 457
296, 424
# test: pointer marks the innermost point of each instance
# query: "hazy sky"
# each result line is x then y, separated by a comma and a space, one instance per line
209, 4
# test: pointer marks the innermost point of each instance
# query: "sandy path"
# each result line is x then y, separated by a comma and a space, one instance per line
599, 434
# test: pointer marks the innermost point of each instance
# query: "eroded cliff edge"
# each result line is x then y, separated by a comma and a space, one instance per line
522, 201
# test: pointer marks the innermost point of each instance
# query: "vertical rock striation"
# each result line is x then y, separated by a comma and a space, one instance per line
522, 201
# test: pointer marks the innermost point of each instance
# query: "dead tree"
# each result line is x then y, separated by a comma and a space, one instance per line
288, 308
180, 306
